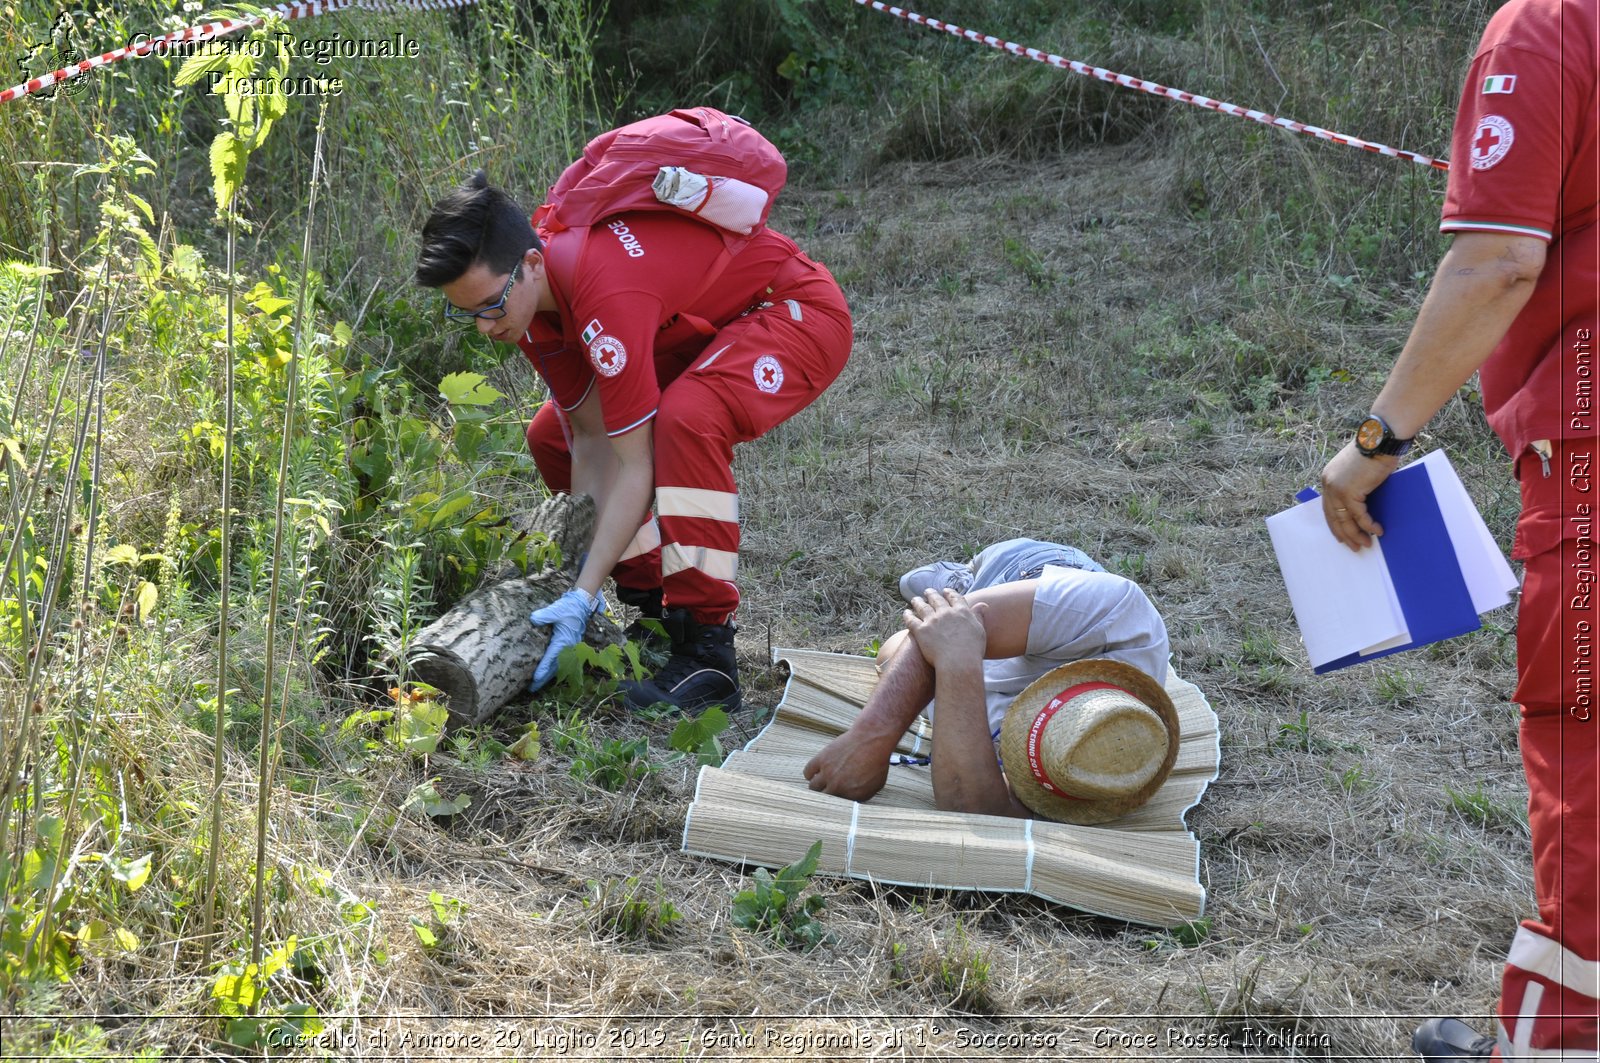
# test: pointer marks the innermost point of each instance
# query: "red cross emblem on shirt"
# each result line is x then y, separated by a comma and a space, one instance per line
768, 375
608, 355
1491, 140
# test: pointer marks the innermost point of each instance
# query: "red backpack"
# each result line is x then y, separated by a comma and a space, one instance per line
617, 173
617, 169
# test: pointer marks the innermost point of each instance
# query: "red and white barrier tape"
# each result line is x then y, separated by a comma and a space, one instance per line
221, 28
1151, 87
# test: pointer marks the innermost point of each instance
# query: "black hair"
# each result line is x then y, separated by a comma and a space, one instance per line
476, 222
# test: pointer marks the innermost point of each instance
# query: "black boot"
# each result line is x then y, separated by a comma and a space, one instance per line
1450, 1041
700, 673
650, 636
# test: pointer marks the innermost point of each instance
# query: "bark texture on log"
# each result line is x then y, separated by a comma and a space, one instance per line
482, 653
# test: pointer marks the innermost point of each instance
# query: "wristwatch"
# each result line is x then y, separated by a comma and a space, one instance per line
1374, 437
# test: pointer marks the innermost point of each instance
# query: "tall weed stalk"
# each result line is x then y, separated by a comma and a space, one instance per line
265, 767
251, 119
224, 584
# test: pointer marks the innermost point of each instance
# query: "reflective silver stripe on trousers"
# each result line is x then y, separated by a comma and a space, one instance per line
646, 539
697, 502
718, 564
1548, 959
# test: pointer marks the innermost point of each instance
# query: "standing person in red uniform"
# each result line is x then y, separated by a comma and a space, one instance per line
654, 375
1517, 295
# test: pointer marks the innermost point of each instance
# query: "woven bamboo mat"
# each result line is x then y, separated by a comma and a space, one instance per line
757, 809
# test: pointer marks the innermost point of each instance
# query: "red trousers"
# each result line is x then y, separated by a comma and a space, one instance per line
759, 370
1552, 977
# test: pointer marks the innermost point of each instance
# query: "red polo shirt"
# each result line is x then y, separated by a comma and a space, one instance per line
639, 308
1523, 160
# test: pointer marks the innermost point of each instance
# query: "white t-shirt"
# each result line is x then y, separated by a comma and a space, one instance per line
1078, 615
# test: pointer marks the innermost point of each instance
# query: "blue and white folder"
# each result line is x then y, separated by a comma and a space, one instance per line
1429, 576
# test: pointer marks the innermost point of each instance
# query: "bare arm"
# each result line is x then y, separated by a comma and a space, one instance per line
1482, 284
618, 472
856, 764
953, 635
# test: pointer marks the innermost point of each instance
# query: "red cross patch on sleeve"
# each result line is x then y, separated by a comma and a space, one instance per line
608, 355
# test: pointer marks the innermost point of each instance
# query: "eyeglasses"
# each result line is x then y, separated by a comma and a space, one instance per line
489, 313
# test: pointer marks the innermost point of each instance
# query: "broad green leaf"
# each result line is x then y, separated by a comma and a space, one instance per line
424, 933
29, 271
87, 932
273, 107
133, 873
33, 869
122, 554
435, 805
149, 256
228, 157
691, 735
446, 909
12, 447
241, 108
242, 1032
126, 939
569, 665
186, 263
264, 299
468, 389
419, 726
449, 508
527, 747
144, 207
364, 718
303, 1019
199, 65
279, 958
241, 990
147, 599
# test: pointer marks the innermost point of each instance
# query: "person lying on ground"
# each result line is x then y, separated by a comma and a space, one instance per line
1002, 562
971, 656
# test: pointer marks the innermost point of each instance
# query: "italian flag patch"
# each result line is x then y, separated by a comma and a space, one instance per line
1496, 84
591, 331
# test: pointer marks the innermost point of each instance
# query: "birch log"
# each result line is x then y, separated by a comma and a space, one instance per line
482, 653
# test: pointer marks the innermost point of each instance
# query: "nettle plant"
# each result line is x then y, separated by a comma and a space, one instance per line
774, 908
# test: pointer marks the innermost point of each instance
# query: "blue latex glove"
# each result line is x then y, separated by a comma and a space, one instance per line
567, 617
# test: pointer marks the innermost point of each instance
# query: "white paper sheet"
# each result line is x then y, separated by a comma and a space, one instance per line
1343, 599
1489, 578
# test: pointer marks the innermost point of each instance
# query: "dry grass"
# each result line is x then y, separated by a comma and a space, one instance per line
1004, 391
1079, 384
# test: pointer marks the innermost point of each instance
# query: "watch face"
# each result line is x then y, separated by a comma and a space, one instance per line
1370, 434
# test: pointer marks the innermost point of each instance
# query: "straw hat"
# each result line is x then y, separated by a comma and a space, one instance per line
1089, 741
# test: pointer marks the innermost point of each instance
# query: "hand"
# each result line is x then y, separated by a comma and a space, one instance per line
1346, 482
947, 630
853, 766
567, 617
